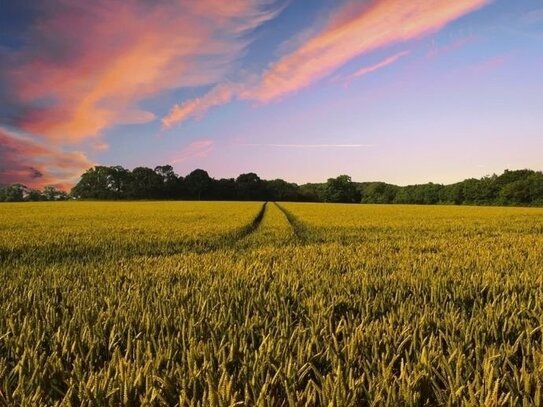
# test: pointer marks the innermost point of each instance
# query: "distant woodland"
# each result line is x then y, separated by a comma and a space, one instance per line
520, 187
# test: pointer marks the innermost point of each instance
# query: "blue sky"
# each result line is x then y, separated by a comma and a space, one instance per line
403, 92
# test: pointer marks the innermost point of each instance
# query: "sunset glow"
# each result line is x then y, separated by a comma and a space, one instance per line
439, 90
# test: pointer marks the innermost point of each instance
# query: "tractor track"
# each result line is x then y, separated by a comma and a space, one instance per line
252, 227
300, 230
229, 241
60, 254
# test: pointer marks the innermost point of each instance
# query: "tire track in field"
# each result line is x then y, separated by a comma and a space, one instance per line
58, 254
300, 230
274, 231
252, 227
228, 240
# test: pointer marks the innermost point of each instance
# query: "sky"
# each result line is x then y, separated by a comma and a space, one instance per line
398, 91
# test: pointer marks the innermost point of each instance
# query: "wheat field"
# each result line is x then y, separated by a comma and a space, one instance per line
253, 304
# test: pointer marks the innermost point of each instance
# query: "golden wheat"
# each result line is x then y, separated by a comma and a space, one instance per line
221, 304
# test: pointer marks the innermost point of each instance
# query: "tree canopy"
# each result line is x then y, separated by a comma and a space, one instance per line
341, 189
521, 187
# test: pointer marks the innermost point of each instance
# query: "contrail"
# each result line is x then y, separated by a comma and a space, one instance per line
308, 145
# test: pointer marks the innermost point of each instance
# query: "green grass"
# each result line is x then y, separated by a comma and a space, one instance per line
341, 305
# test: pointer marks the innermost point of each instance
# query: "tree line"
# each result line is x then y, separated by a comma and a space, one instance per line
20, 193
521, 187
516, 188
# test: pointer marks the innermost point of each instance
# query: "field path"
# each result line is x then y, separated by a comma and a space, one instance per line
273, 229
299, 229
250, 228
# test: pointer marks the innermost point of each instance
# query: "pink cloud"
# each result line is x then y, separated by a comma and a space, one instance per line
196, 149
372, 68
355, 29
90, 63
219, 95
26, 161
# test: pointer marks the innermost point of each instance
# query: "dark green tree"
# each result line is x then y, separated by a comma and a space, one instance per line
280, 190
145, 184
341, 189
103, 182
224, 189
378, 192
250, 187
172, 187
452, 194
198, 184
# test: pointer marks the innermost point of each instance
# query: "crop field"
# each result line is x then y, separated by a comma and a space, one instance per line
253, 304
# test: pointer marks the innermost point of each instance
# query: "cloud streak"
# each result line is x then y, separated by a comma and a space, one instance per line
196, 149
372, 68
195, 108
307, 145
355, 29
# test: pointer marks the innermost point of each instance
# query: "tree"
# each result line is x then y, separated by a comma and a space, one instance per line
145, 184
250, 187
166, 173
516, 193
51, 193
224, 189
452, 194
536, 188
93, 184
522, 187
312, 192
197, 184
341, 189
35, 195
509, 177
170, 180
378, 192
103, 182
280, 190
13, 193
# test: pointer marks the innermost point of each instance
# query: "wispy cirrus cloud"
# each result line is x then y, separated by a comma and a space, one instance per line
91, 63
372, 68
85, 66
356, 28
196, 149
27, 161
219, 95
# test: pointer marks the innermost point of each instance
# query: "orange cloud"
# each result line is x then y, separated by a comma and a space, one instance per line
26, 161
219, 95
355, 29
362, 29
90, 63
